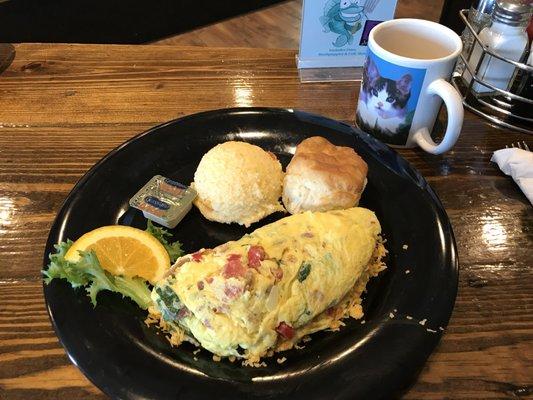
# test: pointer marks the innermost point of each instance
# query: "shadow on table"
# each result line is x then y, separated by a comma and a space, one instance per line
7, 55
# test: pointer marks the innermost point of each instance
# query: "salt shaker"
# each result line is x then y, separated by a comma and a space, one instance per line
504, 36
478, 18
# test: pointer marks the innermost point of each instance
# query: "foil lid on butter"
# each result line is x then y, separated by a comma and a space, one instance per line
164, 201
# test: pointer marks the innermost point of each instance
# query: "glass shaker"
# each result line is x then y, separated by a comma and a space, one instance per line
504, 36
478, 17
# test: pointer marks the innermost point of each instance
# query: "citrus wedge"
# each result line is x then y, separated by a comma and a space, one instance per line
123, 250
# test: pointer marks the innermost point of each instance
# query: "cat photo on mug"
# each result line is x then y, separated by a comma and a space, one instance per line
387, 100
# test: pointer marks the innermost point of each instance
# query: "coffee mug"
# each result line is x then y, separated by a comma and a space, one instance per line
405, 80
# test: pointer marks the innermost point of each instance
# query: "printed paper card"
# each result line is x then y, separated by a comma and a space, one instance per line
334, 33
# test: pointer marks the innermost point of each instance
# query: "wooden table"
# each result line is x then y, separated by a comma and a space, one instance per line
63, 107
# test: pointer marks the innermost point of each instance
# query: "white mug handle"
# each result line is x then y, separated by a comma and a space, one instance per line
454, 108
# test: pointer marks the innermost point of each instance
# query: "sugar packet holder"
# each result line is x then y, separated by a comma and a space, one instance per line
164, 201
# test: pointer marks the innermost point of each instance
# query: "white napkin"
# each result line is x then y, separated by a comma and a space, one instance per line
519, 165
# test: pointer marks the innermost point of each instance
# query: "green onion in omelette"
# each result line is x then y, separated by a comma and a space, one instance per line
304, 271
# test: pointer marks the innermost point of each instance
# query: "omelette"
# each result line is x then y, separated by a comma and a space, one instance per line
268, 290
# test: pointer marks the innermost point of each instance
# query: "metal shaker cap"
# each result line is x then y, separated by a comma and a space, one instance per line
485, 6
512, 12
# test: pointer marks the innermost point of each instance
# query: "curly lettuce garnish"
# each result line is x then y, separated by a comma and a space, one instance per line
173, 249
87, 271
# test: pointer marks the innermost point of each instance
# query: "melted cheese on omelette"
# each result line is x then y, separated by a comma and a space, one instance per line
265, 291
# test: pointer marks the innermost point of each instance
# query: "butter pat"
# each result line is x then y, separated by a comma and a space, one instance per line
164, 201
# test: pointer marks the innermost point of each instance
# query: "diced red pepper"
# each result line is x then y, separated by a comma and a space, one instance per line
256, 254
197, 257
234, 267
200, 285
209, 279
285, 330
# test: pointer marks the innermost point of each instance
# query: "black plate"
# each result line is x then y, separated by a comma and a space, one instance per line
377, 359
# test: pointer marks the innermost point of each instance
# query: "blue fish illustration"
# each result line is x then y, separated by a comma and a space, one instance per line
343, 17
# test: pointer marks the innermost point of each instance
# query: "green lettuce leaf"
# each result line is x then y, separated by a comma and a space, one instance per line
63, 269
136, 289
89, 273
173, 249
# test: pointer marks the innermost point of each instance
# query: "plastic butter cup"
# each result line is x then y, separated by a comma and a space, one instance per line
164, 201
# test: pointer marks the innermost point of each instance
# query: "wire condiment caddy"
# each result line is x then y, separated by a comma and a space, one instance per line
507, 108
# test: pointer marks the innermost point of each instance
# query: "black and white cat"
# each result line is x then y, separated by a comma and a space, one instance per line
383, 102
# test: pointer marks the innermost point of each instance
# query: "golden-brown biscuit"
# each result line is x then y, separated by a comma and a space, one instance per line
322, 177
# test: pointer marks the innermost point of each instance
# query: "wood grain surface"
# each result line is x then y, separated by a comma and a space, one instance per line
278, 26
63, 107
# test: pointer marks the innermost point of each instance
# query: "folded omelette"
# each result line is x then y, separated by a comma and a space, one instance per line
266, 291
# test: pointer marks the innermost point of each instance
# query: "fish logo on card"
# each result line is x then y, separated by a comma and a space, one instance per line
335, 32
344, 18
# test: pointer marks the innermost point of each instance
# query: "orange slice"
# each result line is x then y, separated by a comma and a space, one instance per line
123, 250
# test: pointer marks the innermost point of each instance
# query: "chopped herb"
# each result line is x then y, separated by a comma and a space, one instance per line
173, 249
169, 303
304, 271
88, 272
